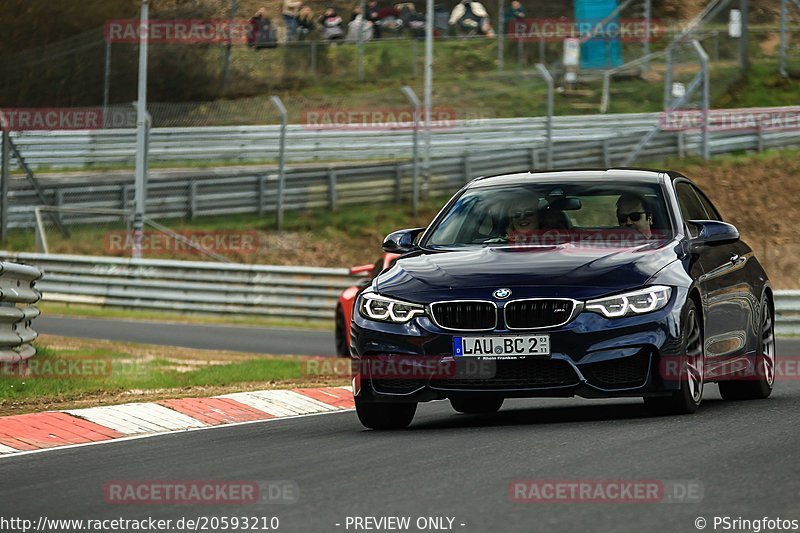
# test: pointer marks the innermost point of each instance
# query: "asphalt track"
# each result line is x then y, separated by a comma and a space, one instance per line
744, 455
276, 341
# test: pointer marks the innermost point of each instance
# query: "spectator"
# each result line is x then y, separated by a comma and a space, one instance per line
357, 21
331, 25
291, 8
471, 18
305, 22
372, 16
412, 19
516, 11
389, 21
262, 33
440, 20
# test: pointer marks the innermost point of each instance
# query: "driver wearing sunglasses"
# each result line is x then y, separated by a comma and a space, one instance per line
633, 212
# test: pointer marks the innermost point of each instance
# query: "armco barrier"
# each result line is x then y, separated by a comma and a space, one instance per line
189, 286
16, 334
192, 193
225, 288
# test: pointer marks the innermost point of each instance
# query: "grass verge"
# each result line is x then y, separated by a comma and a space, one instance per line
72, 373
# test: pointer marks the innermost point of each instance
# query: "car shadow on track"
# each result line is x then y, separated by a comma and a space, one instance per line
511, 415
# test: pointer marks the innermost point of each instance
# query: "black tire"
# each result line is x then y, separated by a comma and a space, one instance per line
759, 386
687, 399
477, 405
340, 334
385, 415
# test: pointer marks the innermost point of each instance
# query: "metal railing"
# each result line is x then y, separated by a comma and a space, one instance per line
194, 193
203, 287
189, 286
246, 144
17, 311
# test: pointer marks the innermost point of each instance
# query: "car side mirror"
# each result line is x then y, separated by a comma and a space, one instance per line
401, 241
714, 232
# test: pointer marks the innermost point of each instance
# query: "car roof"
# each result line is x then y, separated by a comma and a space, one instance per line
646, 175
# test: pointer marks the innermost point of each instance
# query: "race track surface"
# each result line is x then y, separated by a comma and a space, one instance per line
744, 455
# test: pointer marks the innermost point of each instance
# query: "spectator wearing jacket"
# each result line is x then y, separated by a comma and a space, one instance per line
305, 22
471, 18
331, 25
291, 9
262, 33
516, 11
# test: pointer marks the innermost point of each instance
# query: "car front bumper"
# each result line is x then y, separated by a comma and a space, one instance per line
591, 356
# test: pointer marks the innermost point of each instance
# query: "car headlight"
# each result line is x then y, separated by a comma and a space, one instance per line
383, 309
631, 303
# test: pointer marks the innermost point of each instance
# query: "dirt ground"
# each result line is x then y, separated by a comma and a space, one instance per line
759, 195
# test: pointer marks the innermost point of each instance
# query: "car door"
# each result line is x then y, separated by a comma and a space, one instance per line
726, 293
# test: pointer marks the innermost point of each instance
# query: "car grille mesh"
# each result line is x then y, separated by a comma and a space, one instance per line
627, 371
470, 315
526, 314
520, 374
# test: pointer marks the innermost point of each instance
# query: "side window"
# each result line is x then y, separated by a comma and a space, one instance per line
713, 214
691, 208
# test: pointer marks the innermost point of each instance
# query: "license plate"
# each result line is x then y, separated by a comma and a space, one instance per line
504, 347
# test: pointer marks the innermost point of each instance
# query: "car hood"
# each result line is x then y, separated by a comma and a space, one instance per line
554, 271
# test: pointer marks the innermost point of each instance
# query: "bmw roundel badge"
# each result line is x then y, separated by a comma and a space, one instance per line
502, 294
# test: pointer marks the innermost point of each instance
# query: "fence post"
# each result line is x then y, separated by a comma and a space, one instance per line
262, 193
398, 183
332, 189
681, 144
606, 154
550, 90
467, 168
313, 57
106, 83
500, 37
760, 139
412, 97
281, 158
782, 46
706, 93
192, 199
4, 177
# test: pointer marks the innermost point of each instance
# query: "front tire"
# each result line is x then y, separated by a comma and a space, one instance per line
385, 415
687, 399
760, 386
476, 405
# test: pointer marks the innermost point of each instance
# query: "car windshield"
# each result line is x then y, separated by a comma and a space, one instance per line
547, 214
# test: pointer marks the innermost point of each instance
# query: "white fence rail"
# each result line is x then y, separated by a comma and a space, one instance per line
222, 191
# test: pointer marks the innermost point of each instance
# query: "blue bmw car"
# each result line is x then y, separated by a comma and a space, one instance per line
595, 283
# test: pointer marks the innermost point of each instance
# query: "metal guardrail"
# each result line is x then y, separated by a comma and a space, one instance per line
16, 334
234, 191
189, 286
89, 148
203, 287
